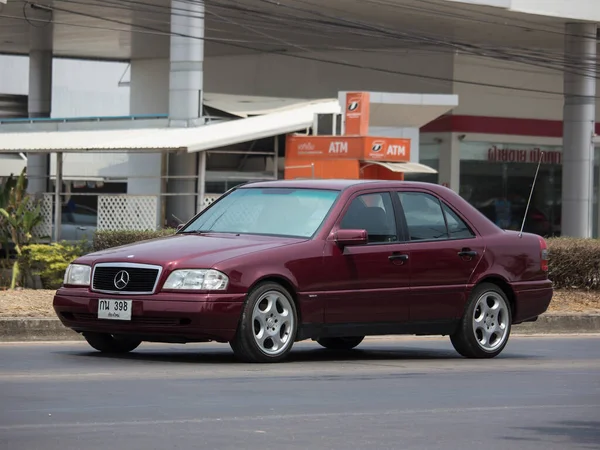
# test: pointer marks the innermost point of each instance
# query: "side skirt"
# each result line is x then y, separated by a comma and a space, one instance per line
316, 331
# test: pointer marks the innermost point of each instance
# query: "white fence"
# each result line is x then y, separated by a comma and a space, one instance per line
115, 212
128, 212
44, 229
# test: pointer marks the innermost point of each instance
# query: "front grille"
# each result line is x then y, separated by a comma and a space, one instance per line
129, 278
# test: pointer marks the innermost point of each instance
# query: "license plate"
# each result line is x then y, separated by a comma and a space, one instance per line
114, 309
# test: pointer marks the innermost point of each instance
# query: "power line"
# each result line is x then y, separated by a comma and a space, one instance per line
151, 30
532, 58
468, 48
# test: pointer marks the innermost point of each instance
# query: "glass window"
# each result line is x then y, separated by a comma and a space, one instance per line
424, 216
272, 211
374, 213
457, 228
497, 178
73, 213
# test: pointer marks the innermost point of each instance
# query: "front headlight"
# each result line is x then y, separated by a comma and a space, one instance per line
199, 279
78, 275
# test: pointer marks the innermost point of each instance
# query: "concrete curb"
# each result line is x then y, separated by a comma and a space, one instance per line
561, 324
32, 329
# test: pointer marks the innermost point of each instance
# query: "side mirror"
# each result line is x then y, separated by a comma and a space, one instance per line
351, 237
180, 226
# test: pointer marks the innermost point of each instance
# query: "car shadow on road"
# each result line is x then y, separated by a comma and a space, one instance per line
196, 354
568, 433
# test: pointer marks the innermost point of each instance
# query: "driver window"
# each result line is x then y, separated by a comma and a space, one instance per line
374, 213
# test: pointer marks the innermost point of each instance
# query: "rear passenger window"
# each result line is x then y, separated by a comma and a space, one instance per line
424, 216
429, 219
457, 228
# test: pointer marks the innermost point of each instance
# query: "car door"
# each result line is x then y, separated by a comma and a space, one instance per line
85, 221
368, 283
444, 252
68, 229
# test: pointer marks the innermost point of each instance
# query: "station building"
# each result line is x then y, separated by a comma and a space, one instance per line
482, 89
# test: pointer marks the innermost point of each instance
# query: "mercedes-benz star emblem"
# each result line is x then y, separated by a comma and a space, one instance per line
121, 279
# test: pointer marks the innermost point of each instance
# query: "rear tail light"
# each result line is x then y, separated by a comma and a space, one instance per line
544, 254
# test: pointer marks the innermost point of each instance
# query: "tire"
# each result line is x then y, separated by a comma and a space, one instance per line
340, 343
479, 316
268, 325
108, 343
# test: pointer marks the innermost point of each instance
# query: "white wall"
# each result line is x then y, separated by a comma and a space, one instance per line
149, 95
149, 86
80, 89
285, 76
500, 102
273, 75
586, 10
14, 75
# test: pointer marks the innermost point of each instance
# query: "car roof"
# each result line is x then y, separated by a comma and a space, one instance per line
339, 184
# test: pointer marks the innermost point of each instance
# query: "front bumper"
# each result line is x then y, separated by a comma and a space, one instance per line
162, 317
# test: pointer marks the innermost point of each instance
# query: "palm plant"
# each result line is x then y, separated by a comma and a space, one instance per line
20, 214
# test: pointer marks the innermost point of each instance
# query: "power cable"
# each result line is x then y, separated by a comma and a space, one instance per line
151, 30
432, 40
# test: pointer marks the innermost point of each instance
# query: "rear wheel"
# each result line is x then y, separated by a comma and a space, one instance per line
108, 343
267, 328
340, 343
485, 327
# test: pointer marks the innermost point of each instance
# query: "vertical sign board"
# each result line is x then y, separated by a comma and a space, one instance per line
357, 114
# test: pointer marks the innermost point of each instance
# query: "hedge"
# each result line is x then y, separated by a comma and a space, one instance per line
574, 263
49, 261
108, 239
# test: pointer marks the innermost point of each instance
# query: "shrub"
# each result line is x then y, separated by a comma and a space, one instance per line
574, 263
50, 261
108, 239
20, 214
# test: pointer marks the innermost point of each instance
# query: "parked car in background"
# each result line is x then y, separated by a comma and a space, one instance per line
272, 263
78, 223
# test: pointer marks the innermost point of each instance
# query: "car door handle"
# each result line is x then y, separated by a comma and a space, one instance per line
467, 253
82, 228
397, 257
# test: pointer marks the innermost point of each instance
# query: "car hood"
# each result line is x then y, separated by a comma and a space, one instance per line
190, 250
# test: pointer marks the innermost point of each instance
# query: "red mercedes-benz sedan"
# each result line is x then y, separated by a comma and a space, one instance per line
272, 263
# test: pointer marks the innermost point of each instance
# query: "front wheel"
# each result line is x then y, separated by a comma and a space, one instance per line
485, 327
108, 343
268, 325
340, 343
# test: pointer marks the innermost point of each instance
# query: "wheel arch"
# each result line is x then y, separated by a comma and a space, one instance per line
287, 284
505, 287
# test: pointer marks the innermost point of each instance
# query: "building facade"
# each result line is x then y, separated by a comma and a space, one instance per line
524, 73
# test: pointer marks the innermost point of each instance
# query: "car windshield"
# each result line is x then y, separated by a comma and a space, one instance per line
271, 211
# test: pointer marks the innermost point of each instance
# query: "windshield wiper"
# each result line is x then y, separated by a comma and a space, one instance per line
195, 232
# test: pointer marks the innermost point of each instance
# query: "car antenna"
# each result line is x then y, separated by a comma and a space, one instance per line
531, 194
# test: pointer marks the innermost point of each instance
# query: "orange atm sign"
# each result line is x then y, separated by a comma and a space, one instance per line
348, 147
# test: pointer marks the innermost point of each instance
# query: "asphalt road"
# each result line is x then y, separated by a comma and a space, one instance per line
541, 393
